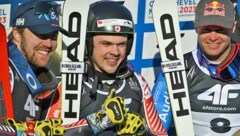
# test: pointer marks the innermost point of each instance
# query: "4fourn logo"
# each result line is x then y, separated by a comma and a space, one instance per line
219, 95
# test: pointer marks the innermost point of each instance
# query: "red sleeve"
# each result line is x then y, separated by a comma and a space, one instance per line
153, 120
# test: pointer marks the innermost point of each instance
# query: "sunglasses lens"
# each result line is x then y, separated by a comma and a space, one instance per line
43, 7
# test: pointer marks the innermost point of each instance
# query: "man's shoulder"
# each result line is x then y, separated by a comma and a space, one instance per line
189, 59
139, 78
136, 75
11, 64
187, 55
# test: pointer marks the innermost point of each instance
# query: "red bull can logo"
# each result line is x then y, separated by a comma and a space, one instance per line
214, 8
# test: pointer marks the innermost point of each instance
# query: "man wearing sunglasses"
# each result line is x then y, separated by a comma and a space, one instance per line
213, 71
32, 42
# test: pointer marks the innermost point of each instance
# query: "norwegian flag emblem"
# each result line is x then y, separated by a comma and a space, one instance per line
117, 28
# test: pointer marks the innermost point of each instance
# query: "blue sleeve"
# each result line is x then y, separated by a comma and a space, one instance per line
162, 101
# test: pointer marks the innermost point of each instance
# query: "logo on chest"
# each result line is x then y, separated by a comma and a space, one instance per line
220, 95
134, 85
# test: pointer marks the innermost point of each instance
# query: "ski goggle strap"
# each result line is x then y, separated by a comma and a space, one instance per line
43, 7
229, 68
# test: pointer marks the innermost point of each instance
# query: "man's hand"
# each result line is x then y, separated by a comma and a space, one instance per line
19, 127
114, 107
113, 112
51, 127
134, 124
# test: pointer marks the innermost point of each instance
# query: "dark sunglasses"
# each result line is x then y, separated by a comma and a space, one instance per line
229, 68
43, 7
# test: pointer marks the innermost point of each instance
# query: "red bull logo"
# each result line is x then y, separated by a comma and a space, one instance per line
214, 5
214, 8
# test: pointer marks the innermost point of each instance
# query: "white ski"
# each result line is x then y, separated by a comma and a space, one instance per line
165, 15
75, 13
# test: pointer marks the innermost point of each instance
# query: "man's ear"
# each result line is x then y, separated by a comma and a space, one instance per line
16, 36
234, 26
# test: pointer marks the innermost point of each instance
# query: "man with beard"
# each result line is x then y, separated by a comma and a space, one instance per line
32, 42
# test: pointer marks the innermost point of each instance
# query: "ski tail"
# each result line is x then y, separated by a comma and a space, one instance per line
6, 108
72, 66
165, 16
